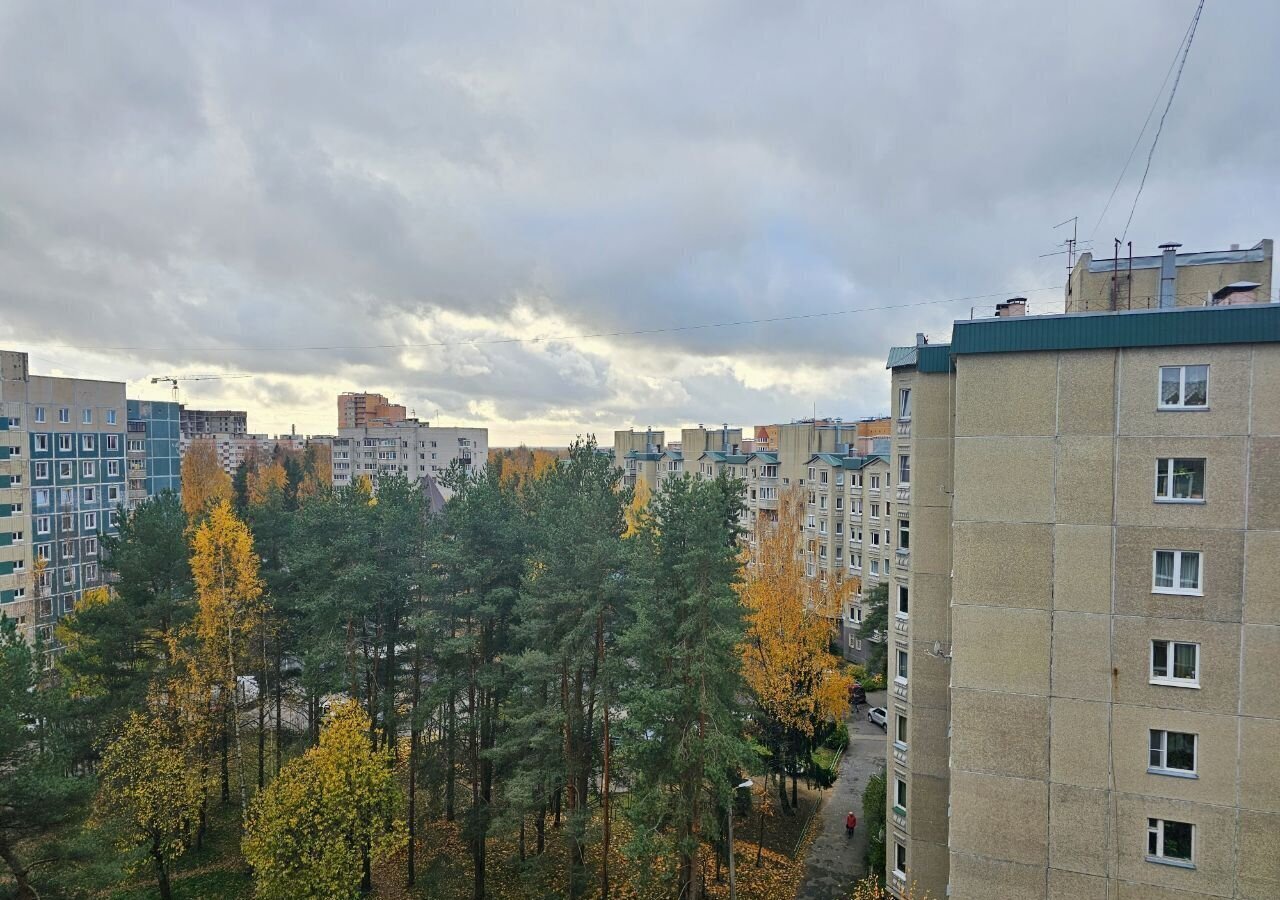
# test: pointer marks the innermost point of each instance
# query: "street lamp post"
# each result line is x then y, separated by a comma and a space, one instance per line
733, 884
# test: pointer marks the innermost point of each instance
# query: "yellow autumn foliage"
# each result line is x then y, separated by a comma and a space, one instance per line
228, 589
204, 483
264, 481
638, 510
306, 830
149, 790
786, 656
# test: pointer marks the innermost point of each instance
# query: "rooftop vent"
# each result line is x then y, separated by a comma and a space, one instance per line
1014, 306
1169, 275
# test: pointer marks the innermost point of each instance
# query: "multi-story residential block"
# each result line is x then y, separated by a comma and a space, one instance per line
62, 480
640, 454
356, 410
1215, 277
208, 422
153, 460
412, 449
1093, 615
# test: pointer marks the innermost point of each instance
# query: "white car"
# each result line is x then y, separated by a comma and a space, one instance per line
877, 715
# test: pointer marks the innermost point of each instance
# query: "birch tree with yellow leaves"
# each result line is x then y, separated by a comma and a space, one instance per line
786, 659
204, 483
230, 611
314, 832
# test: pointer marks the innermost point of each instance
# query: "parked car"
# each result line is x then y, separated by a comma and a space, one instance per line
877, 715
857, 693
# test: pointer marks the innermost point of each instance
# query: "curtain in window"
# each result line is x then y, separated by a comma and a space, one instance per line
1164, 569
1184, 661
1189, 576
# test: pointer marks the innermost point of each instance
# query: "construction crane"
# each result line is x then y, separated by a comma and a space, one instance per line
174, 379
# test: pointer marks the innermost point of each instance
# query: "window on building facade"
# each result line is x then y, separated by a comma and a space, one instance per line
1176, 572
113, 468
875, 566
875, 510
89, 494
875, 482
904, 469
1180, 480
902, 666
900, 732
65, 470
64, 415
64, 443
113, 442
902, 601
87, 468
900, 860
68, 549
41, 443
86, 416
1170, 841
111, 417
899, 795
41, 470
40, 414
91, 546
839, 504
813, 473
904, 403
113, 492
44, 552
875, 538
42, 524
1172, 753
1184, 387
42, 496
855, 561
904, 534
90, 521
1175, 663
839, 527
91, 572
68, 577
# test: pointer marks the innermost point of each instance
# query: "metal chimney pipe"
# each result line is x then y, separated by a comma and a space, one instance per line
1169, 275
724, 438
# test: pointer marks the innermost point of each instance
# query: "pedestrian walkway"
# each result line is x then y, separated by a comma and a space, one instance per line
835, 859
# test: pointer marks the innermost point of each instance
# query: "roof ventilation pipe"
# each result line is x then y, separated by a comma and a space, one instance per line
1169, 275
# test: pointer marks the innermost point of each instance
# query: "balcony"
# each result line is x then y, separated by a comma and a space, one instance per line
904, 493
903, 558
904, 427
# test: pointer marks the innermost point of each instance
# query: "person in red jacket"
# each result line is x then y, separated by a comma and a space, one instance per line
850, 823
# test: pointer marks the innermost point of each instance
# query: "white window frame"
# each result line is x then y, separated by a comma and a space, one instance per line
875, 482
40, 415
1197, 591
88, 469
42, 443
903, 594
1169, 679
90, 521
899, 848
1161, 746
113, 468
87, 443
899, 794
1182, 388
64, 415
43, 524
1155, 828
900, 732
41, 469
1165, 467
111, 417
904, 403
904, 468
901, 662
113, 441
89, 494
65, 443
113, 493
86, 416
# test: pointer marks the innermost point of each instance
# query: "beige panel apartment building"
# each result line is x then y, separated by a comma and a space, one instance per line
1102, 490
358, 409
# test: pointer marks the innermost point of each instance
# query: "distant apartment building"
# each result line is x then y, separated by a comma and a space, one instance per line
1170, 278
1084, 695
356, 410
153, 460
205, 422
414, 450
62, 478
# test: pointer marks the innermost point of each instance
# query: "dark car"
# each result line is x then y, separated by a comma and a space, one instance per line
857, 694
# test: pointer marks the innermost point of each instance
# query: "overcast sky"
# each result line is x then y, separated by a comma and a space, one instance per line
209, 187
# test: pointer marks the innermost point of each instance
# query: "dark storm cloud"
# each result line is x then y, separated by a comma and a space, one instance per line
200, 177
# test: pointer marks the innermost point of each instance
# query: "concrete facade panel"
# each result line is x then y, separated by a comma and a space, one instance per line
1083, 480
1006, 394
1078, 742
1219, 664
1228, 410
1000, 649
1000, 734
1074, 886
1265, 419
1224, 493
1086, 392
1006, 479
1000, 818
1080, 829
1264, 482
1003, 565
1262, 671
1260, 764
1222, 573
1216, 741
1214, 842
1081, 656
1082, 568
1262, 578
1259, 875
980, 878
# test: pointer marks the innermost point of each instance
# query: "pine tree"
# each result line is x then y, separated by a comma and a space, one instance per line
684, 726
875, 622
36, 795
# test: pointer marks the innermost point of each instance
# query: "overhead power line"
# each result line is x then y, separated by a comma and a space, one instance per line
797, 317
1155, 101
1173, 92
